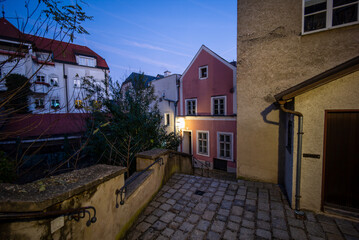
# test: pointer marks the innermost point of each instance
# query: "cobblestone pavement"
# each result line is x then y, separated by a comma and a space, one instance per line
230, 210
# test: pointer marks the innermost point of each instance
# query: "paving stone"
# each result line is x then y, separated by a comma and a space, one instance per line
325, 219
217, 199
167, 232
148, 210
226, 204
263, 206
242, 191
246, 233
332, 236
203, 225
348, 237
279, 223
250, 202
234, 218
217, 226
143, 226
165, 207
314, 229
179, 235
264, 225
240, 197
193, 218
315, 238
167, 217
183, 214
213, 236
178, 219
310, 217
174, 225
330, 228
238, 202
158, 212
349, 230
186, 227
222, 218
277, 213
295, 222
233, 226
223, 212
133, 235
248, 224
252, 195
150, 234
212, 206
263, 233
159, 225
229, 235
155, 204
151, 219
236, 210
196, 234
248, 215
160, 237
280, 234
263, 215
297, 233
208, 215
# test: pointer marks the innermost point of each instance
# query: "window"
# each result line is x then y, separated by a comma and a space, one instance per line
203, 72
55, 103
54, 81
219, 106
39, 103
77, 82
202, 143
191, 106
224, 146
78, 104
167, 119
86, 61
40, 78
325, 14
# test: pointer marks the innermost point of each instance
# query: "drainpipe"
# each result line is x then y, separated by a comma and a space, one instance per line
66, 90
298, 213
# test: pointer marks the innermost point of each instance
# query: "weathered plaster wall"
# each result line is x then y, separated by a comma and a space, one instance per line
273, 56
339, 94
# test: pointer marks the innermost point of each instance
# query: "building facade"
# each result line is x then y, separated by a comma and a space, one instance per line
286, 45
208, 110
56, 70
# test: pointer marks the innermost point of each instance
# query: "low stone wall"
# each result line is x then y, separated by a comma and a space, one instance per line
94, 186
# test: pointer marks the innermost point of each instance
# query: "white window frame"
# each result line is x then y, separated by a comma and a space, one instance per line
186, 104
200, 72
218, 147
167, 123
86, 61
77, 80
225, 105
329, 17
197, 143
58, 82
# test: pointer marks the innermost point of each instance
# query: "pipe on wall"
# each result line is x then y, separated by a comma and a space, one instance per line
299, 155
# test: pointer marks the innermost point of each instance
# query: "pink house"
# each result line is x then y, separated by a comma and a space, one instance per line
207, 110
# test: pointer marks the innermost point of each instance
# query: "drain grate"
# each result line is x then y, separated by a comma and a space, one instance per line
199, 192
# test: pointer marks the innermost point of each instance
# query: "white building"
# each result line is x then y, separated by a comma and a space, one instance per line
166, 89
56, 70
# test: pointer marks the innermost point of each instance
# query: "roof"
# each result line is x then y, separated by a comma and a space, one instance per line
204, 48
62, 51
43, 125
146, 78
332, 74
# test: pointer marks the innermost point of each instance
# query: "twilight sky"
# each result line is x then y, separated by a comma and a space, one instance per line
152, 36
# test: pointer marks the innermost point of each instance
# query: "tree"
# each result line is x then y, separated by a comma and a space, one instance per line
128, 123
19, 86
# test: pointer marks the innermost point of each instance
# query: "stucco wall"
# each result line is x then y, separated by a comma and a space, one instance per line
339, 94
273, 56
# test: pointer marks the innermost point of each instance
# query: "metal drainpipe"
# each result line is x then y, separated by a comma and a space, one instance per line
66, 90
299, 156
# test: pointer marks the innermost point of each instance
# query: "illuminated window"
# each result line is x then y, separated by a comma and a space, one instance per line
77, 82
78, 104
167, 119
55, 103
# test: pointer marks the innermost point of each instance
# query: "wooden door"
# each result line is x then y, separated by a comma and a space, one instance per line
341, 159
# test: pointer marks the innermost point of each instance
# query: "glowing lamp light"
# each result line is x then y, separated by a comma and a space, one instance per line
180, 123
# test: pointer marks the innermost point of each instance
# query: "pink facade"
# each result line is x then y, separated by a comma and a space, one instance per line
209, 84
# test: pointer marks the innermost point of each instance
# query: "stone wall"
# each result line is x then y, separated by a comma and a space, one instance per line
94, 186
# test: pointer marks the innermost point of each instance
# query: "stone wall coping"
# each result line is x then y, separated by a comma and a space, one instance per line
46, 192
157, 152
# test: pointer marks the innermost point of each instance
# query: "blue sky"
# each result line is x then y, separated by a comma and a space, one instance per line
153, 36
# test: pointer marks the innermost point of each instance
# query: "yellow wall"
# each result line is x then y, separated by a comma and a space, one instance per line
339, 94
273, 56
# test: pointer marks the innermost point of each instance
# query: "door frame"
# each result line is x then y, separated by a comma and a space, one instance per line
325, 145
190, 131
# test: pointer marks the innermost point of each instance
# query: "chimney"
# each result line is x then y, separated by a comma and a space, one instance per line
167, 73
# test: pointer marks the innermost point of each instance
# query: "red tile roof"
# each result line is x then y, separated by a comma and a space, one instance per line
62, 51
27, 126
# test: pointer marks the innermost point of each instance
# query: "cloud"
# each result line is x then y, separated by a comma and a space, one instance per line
118, 51
152, 47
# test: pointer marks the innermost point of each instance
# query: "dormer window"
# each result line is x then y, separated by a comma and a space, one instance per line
86, 61
40, 79
203, 72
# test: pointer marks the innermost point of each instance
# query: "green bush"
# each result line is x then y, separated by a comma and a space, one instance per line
7, 169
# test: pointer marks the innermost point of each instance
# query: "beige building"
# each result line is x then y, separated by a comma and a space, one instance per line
306, 53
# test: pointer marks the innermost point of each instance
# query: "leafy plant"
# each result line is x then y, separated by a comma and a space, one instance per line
18, 87
7, 169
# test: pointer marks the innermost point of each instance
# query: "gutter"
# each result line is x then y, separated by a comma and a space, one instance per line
298, 213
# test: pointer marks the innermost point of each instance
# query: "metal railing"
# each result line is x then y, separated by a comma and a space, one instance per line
122, 190
72, 214
203, 166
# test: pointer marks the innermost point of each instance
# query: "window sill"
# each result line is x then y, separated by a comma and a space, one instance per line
328, 29
202, 154
225, 159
